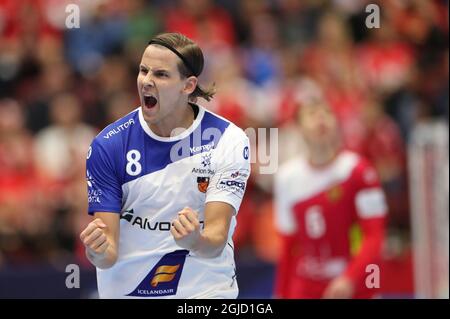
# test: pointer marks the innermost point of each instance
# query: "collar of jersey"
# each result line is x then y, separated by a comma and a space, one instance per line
149, 132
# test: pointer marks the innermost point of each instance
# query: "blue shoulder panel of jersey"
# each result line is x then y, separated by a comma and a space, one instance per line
111, 139
102, 173
135, 154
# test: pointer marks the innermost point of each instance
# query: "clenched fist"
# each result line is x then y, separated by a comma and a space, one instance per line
186, 229
94, 237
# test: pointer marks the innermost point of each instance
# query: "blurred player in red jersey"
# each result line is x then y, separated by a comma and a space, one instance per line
319, 199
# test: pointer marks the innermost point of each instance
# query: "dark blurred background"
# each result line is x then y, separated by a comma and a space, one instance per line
60, 86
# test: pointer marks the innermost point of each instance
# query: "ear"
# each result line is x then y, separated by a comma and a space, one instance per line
190, 85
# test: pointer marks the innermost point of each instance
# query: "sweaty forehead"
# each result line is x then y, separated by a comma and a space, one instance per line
159, 57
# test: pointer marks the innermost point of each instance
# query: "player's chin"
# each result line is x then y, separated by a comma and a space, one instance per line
150, 113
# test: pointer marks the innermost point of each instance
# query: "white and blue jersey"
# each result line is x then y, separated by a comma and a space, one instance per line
148, 179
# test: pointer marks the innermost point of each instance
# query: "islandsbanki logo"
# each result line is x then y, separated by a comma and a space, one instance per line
163, 279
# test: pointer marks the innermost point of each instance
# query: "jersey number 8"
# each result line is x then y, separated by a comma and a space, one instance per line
133, 167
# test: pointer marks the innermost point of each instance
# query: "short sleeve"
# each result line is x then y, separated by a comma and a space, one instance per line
370, 201
284, 219
229, 181
104, 188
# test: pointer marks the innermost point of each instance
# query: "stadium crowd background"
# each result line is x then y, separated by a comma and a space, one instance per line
59, 87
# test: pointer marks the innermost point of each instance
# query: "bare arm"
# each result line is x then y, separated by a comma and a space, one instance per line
101, 239
211, 241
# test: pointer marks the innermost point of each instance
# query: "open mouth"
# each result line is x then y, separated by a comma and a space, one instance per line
150, 101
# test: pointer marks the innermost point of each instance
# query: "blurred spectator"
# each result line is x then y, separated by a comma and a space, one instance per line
119, 104
299, 21
261, 63
143, 22
23, 218
384, 146
331, 62
233, 97
385, 59
60, 147
201, 20
37, 91
101, 35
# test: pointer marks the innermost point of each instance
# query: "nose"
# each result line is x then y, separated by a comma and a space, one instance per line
148, 81
148, 87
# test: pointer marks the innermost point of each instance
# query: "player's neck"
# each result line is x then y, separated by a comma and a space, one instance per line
183, 119
322, 156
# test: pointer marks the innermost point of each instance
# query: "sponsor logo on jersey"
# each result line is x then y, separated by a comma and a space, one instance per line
119, 129
145, 223
234, 182
164, 274
203, 183
164, 277
242, 173
94, 196
94, 193
245, 152
206, 159
203, 171
234, 186
335, 193
89, 179
202, 148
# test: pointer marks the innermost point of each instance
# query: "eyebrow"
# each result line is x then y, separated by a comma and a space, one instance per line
142, 66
